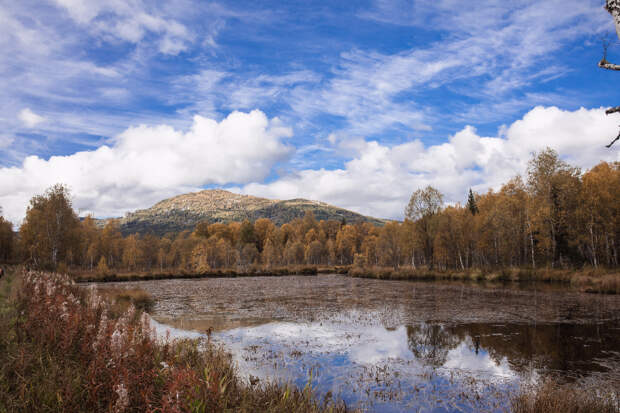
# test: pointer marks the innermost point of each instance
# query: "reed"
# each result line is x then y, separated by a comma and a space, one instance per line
553, 397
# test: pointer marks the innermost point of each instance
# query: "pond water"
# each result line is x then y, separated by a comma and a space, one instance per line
397, 345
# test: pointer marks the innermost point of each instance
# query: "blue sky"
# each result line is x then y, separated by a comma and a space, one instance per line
352, 103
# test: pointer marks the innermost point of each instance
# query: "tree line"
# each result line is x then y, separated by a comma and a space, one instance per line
555, 216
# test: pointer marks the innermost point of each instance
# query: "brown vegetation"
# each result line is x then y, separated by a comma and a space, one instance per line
63, 350
551, 396
589, 280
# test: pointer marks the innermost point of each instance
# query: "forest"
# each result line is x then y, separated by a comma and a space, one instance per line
556, 216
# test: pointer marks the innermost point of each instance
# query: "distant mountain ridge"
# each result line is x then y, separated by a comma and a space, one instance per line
183, 212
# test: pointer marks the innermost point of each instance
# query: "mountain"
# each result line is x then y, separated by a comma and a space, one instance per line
183, 212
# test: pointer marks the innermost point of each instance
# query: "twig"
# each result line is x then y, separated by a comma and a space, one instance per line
614, 141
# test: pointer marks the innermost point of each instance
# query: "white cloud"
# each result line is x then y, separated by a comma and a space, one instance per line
464, 359
380, 179
499, 48
129, 21
29, 118
147, 163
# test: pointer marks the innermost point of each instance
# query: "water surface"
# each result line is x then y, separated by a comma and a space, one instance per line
397, 345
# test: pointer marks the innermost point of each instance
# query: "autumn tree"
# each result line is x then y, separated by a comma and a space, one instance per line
131, 252
554, 187
346, 241
112, 243
89, 242
7, 239
422, 208
271, 254
294, 253
388, 245
50, 230
315, 253
599, 214
263, 229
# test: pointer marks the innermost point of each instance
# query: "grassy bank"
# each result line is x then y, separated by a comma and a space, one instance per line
63, 349
93, 276
589, 280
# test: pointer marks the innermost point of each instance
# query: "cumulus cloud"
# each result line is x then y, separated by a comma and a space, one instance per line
29, 118
147, 163
380, 179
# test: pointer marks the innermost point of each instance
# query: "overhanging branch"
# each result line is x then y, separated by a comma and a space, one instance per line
612, 142
613, 7
604, 64
612, 110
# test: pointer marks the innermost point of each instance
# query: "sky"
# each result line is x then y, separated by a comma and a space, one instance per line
354, 103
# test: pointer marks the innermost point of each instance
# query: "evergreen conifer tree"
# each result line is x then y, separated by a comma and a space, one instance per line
471, 203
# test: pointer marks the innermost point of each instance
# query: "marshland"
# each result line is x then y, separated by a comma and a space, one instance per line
398, 345
311, 207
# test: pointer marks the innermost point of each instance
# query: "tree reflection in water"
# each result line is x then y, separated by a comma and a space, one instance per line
430, 343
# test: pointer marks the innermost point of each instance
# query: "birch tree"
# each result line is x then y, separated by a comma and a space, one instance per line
613, 7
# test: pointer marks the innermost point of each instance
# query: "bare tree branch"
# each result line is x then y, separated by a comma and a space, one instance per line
613, 7
612, 110
612, 142
604, 64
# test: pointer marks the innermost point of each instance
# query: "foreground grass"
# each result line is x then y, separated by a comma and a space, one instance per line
588, 280
62, 349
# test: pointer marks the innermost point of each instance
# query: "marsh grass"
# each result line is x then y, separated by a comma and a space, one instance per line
121, 299
63, 349
250, 271
587, 279
552, 397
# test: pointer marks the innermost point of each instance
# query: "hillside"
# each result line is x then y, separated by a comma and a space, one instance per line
183, 212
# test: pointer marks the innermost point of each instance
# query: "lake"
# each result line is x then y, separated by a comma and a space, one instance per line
397, 345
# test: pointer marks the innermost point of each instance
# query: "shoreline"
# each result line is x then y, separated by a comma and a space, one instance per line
596, 281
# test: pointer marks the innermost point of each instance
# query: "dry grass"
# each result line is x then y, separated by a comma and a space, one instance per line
253, 271
122, 299
552, 397
588, 280
603, 284
62, 349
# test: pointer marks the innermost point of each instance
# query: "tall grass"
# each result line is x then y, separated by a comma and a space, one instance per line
551, 397
588, 280
62, 349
